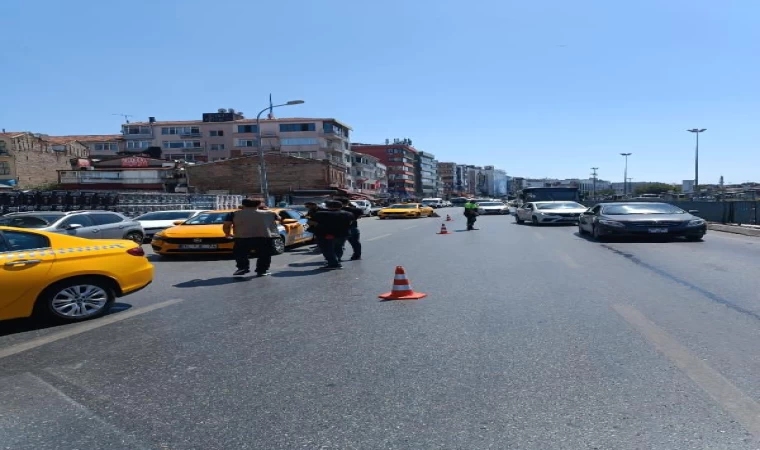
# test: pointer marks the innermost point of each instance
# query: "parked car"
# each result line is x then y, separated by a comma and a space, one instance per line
66, 278
433, 202
364, 205
539, 213
374, 210
641, 218
487, 208
85, 224
153, 222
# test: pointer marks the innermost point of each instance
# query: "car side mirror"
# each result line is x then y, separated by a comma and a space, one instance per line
73, 226
288, 221
178, 222
693, 211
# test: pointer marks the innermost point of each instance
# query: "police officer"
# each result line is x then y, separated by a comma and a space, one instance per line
471, 212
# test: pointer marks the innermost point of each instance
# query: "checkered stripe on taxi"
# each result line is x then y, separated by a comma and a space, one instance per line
42, 253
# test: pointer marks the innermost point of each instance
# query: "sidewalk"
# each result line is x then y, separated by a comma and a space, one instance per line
746, 230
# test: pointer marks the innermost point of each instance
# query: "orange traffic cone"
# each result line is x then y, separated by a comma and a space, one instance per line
443, 229
448, 218
402, 289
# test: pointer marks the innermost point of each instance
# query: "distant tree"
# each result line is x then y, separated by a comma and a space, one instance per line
656, 188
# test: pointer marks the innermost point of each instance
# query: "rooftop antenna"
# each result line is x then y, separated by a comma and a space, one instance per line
125, 116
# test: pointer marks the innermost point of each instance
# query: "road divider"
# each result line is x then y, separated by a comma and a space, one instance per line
84, 327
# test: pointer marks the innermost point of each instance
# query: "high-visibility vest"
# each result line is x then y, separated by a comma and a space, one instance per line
470, 205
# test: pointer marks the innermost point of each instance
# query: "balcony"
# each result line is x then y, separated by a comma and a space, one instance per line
332, 135
191, 135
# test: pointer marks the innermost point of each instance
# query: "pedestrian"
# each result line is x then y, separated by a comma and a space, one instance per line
471, 213
353, 232
311, 209
332, 229
252, 228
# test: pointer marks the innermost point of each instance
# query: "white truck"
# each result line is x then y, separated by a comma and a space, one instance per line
433, 202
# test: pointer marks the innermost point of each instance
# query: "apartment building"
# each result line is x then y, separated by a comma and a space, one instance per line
461, 183
370, 175
228, 134
101, 145
123, 173
399, 157
495, 182
30, 160
426, 174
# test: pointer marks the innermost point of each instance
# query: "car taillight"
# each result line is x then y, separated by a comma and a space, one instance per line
137, 251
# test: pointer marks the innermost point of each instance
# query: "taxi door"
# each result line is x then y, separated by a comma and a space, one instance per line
25, 260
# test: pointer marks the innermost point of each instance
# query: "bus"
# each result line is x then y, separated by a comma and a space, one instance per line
550, 194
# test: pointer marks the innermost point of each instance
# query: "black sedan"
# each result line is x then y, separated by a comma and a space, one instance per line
641, 219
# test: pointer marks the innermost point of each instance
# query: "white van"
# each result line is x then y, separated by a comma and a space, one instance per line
433, 202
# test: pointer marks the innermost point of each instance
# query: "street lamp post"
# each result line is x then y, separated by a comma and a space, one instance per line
625, 173
594, 188
696, 131
262, 162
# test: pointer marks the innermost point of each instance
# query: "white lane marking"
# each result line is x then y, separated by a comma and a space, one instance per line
377, 237
744, 409
133, 443
84, 327
568, 260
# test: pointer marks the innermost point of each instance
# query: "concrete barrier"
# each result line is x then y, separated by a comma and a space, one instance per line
736, 229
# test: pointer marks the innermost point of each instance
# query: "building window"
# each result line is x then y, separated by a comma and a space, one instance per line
181, 130
246, 143
5, 168
136, 129
247, 129
137, 145
293, 127
299, 141
216, 133
216, 147
3, 148
182, 144
106, 147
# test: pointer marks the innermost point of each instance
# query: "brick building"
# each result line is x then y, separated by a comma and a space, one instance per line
447, 172
33, 160
399, 157
286, 174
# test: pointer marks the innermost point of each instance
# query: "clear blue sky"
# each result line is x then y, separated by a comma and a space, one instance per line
538, 88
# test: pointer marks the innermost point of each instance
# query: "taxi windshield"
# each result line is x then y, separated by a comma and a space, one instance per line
207, 218
403, 206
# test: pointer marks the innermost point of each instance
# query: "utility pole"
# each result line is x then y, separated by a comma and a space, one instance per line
696, 131
594, 175
625, 173
125, 116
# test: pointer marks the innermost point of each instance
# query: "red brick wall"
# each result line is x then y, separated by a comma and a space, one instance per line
284, 173
36, 162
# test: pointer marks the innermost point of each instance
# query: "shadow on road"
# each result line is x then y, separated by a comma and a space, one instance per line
31, 323
189, 258
307, 264
634, 239
218, 281
299, 273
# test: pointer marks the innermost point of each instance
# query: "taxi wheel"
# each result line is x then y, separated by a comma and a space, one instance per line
76, 299
279, 246
134, 236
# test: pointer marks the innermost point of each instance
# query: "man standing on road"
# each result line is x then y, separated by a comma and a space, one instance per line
254, 229
353, 233
311, 209
471, 212
332, 230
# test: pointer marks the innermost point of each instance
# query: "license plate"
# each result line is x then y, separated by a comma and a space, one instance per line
198, 247
658, 230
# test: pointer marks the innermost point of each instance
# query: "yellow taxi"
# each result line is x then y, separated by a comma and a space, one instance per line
66, 278
406, 211
203, 234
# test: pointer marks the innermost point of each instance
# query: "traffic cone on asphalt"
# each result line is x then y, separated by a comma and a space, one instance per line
448, 218
402, 288
443, 229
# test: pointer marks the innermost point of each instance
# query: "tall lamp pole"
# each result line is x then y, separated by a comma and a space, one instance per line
625, 173
696, 131
594, 175
262, 162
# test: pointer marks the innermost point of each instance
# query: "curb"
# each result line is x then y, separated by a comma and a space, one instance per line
736, 229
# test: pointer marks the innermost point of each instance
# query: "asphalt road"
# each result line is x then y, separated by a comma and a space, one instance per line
530, 338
